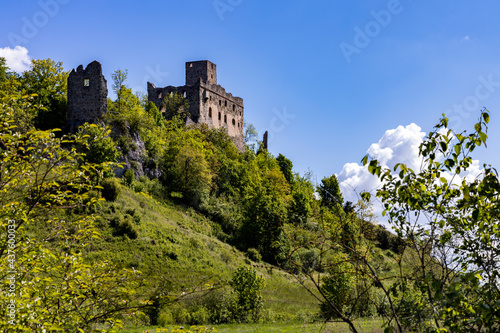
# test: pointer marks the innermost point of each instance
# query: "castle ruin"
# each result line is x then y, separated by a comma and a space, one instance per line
209, 103
87, 95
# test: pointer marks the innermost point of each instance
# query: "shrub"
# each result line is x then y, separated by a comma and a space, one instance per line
336, 285
139, 187
97, 144
110, 189
129, 177
124, 144
200, 316
165, 318
123, 227
220, 305
155, 188
254, 255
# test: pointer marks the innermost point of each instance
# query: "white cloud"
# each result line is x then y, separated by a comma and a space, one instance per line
466, 39
17, 58
399, 145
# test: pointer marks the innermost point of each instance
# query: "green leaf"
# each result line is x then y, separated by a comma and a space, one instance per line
366, 196
365, 160
449, 163
466, 193
486, 117
483, 137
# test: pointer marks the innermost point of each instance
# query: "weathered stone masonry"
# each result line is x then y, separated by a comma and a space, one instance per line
87, 95
209, 103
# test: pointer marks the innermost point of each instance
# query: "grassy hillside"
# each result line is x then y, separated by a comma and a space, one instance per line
180, 244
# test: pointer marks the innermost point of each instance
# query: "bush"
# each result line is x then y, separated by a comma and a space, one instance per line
129, 177
110, 189
139, 187
155, 188
165, 318
200, 316
254, 255
336, 286
123, 227
220, 305
97, 144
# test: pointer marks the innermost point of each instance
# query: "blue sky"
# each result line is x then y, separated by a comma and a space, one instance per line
326, 78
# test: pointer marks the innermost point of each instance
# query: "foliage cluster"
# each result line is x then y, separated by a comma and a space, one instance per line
50, 286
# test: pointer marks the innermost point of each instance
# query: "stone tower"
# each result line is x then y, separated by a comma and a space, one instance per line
209, 103
87, 95
204, 70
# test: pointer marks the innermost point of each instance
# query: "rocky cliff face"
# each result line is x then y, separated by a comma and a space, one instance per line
134, 155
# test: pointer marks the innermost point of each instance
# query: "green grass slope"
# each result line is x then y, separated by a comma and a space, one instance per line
178, 243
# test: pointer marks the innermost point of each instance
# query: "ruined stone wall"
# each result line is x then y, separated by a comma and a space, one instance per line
87, 95
221, 109
209, 102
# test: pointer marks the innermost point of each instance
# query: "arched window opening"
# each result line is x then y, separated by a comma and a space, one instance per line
210, 112
225, 119
219, 115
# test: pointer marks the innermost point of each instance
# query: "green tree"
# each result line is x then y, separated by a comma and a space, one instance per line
265, 202
96, 145
174, 105
337, 286
186, 164
153, 111
192, 173
3, 70
250, 133
452, 225
119, 77
286, 167
329, 192
246, 286
20, 102
47, 81
301, 207
43, 180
